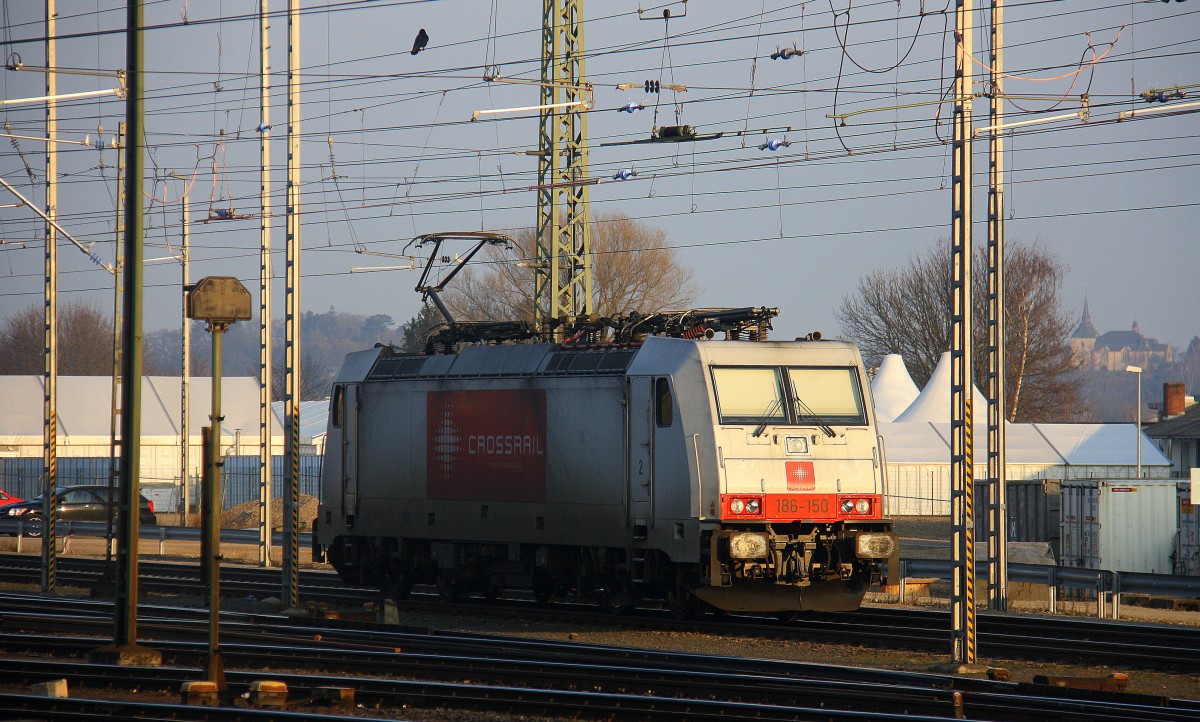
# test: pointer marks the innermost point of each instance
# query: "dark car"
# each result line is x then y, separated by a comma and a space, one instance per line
75, 503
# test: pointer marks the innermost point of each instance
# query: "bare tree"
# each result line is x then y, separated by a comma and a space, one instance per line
418, 327
633, 269
85, 341
1043, 378
316, 379
907, 311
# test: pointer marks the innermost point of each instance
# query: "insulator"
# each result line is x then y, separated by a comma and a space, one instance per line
624, 174
774, 144
263, 128
630, 107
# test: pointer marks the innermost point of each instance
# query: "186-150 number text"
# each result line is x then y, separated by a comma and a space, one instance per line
803, 505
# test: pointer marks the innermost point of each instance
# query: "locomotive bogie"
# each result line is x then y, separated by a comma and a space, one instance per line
746, 475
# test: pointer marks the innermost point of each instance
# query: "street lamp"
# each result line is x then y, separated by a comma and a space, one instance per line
220, 301
1138, 370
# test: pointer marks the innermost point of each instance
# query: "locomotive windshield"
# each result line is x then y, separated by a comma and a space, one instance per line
748, 395
828, 395
818, 396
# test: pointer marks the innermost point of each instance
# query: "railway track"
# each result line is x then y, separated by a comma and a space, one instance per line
1066, 640
394, 668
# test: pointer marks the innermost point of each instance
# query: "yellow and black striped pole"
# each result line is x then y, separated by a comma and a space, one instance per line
291, 499
962, 492
50, 330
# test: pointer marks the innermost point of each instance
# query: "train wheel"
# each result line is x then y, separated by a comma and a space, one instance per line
683, 604
448, 589
616, 598
545, 588
399, 585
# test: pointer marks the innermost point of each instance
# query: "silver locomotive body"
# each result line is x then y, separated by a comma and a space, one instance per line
748, 476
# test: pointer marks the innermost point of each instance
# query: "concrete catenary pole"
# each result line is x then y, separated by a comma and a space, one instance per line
118, 326
125, 648
185, 375
997, 467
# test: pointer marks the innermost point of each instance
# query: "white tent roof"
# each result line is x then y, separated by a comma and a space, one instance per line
1051, 444
85, 405
314, 416
892, 388
1101, 444
914, 443
933, 405
1024, 444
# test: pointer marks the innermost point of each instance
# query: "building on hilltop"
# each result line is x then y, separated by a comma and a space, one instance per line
1115, 350
1084, 338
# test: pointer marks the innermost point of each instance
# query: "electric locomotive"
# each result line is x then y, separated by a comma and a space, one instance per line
641, 458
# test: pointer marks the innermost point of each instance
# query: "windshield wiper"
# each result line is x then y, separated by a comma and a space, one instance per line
807, 412
771, 409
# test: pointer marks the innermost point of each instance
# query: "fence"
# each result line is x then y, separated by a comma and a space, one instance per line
1108, 586
23, 477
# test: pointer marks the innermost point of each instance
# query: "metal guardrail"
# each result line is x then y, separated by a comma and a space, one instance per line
1108, 585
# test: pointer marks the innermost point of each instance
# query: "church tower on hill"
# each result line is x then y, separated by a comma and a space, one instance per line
1114, 350
1083, 341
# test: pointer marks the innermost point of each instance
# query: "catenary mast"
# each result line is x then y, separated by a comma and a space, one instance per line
562, 267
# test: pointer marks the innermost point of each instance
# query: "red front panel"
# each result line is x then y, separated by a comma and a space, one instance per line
810, 507
486, 445
799, 507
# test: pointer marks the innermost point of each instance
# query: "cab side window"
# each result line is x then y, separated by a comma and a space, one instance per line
335, 408
664, 404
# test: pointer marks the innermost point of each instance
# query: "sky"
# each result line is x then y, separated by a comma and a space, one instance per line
389, 150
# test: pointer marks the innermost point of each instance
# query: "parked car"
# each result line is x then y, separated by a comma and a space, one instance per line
75, 503
6, 498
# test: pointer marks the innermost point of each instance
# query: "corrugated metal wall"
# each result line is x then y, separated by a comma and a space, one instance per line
924, 489
22, 477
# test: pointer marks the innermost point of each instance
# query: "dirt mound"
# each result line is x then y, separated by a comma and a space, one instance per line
245, 516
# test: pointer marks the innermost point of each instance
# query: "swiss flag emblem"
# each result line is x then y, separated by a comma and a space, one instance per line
800, 476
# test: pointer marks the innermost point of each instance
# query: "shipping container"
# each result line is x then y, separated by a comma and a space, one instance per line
1125, 525
1187, 545
1034, 510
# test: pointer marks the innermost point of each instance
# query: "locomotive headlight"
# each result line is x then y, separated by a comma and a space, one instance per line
875, 545
753, 506
847, 506
737, 506
748, 546
862, 506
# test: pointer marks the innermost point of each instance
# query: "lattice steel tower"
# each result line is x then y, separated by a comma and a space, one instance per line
562, 268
